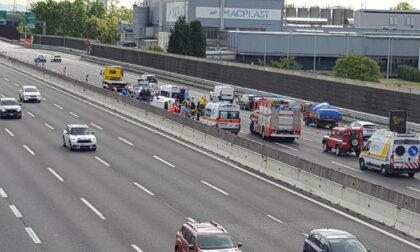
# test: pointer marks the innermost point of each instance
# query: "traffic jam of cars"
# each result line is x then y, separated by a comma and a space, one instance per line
390, 151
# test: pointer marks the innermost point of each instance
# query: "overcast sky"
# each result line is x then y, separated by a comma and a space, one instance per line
356, 4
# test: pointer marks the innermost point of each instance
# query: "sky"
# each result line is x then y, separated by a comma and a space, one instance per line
355, 4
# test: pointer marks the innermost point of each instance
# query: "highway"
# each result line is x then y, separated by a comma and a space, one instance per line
137, 189
308, 146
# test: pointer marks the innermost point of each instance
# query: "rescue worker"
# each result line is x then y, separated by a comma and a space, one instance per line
114, 89
193, 109
200, 108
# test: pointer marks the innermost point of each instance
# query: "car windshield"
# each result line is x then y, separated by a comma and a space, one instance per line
229, 115
215, 242
9, 102
79, 131
369, 126
41, 56
31, 90
346, 245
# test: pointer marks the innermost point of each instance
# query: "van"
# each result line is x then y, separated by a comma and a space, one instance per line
391, 153
222, 115
222, 93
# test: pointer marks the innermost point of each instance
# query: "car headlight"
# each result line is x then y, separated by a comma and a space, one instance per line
74, 139
19, 109
3, 110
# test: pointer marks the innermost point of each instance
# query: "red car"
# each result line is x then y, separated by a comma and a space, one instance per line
344, 140
204, 236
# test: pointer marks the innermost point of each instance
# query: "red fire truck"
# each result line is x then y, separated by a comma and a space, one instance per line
275, 117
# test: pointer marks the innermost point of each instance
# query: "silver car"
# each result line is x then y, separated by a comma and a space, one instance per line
79, 137
29, 93
368, 128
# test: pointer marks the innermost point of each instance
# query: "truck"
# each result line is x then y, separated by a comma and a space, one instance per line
112, 78
275, 117
222, 93
223, 115
322, 114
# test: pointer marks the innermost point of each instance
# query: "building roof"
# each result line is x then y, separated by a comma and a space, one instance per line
416, 12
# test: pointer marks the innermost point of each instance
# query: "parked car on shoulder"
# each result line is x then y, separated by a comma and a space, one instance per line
332, 240
10, 107
368, 128
40, 59
151, 78
343, 140
29, 93
79, 137
56, 58
205, 237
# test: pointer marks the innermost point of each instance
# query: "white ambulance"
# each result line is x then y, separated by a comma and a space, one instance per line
223, 93
223, 115
391, 153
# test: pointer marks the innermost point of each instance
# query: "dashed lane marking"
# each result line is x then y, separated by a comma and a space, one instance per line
102, 161
214, 187
9, 132
143, 188
164, 161
56, 174
274, 219
136, 248
58, 106
93, 208
15, 211
287, 147
29, 150
345, 166
96, 126
33, 235
125, 141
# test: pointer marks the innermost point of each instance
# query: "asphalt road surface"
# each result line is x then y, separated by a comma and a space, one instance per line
138, 188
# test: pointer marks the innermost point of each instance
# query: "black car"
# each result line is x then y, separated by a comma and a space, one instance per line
332, 240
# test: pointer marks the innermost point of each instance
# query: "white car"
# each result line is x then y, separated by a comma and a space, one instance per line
29, 93
79, 137
56, 58
368, 128
10, 107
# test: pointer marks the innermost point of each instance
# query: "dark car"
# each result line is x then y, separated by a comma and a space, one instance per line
204, 236
332, 240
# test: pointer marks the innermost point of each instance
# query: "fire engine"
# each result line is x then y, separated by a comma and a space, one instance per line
275, 117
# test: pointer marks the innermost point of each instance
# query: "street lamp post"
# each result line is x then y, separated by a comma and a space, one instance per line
387, 62
314, 52
265, 48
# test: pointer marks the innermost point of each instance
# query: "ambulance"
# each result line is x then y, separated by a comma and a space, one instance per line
223, 115
391, 153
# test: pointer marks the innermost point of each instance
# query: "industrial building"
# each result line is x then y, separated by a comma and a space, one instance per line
259, 31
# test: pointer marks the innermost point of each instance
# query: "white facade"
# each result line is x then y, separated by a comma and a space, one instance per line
392, 20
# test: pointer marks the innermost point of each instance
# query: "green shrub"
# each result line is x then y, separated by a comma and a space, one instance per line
357, 67
155, 48
408, 73
284, 63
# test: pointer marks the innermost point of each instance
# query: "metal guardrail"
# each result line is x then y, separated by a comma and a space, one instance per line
349, 115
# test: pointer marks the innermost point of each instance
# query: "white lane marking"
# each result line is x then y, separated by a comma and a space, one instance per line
93, 208
164, 161
2, 95
15, 211
9, 132
143, 188
414, 189
56, 174
29, 113
125, 141
274, 219
33, 235
355, 219
287, 147
306, 139
29, 150
136, 248
96, 126
215, 188
73, 114
3, 193
6, 79
345, 166
58, 106
245, 133
102, 161
191, 219
49, 126
42, 98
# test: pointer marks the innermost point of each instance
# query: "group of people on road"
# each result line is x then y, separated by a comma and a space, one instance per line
190, 107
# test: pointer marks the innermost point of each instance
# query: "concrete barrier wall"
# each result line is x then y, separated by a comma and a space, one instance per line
379, 203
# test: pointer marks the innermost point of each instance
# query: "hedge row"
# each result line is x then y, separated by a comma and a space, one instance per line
408, 73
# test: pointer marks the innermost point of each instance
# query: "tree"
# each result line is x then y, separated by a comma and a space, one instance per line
403, 6
198, 39
357, 67
180, 38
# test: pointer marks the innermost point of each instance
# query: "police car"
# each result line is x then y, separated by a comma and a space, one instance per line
391, 153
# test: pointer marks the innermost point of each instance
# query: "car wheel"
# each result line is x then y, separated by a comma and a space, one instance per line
263, 133
325, 147
177, 249
94, 149
337, 150
362, 164
411, 174
307, 122
251, 128
64, 143
384, 171
70, 147
19, 117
